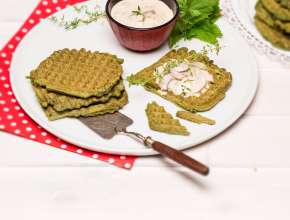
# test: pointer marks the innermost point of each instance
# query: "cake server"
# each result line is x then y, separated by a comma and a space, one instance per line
109, 125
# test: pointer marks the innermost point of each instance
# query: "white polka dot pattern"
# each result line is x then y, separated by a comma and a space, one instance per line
127, 165
79, 151
47, 141
13, 124
111, 160
12, 117
63, 146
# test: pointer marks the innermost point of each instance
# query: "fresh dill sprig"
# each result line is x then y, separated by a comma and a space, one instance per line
215, 48
138, 12
53, 19
185, 90
203, 54
80, 9
91, 16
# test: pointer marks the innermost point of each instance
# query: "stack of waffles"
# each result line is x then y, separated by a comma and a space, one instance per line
75, 83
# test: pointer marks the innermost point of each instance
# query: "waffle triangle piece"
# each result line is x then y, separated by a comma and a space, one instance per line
162, 121
194, 117
79, 73
214, 94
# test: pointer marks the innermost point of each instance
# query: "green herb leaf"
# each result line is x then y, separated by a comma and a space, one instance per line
205, 31
197, 20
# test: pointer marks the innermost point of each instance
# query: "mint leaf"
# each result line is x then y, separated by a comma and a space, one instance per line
206, 31
197, 20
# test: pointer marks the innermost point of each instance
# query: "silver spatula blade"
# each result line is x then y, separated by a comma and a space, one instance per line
106, 125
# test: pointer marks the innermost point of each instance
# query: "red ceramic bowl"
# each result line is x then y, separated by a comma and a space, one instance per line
142, 39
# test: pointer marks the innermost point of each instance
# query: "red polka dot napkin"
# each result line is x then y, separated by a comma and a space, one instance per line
12, 117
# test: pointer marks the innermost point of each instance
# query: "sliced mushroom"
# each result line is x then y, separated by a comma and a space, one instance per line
175, 86
192, 73
178, 75
207, 75
159, 69
195, 85
149, 12
199, 65
181, 67
164, 82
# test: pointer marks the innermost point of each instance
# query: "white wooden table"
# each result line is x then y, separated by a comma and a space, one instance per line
250, 166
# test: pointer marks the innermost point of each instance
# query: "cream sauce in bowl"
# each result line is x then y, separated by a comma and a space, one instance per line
141, 13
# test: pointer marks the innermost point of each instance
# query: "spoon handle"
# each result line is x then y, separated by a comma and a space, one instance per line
167, 151
180, 157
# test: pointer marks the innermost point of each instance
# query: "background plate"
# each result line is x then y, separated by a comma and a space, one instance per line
47, 37
240, 14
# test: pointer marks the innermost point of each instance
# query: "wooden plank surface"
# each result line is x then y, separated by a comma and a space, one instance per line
144, 193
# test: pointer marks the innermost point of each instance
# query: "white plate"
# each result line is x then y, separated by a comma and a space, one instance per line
47, 37
240, 14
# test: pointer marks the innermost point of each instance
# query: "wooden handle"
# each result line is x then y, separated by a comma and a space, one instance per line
180, 157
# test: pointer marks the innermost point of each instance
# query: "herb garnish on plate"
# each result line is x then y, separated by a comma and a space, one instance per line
138, 12
83, 15
197, 20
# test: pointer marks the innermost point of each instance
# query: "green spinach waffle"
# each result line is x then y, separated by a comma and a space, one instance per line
111, 106
79, 73
274, 36
284, 3
271, 20
162, 121
216, 92
277, 9
60, 102
79, 83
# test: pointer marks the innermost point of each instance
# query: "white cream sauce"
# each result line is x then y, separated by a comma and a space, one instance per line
141, 13
183, 78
